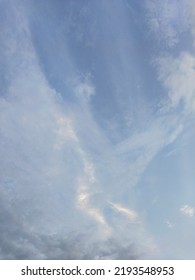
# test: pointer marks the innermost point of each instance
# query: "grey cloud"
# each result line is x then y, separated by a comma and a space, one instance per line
18, 242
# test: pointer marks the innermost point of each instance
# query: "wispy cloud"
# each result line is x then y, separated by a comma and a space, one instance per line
129, 213
168, 20
169, 224
177, 75
84, 90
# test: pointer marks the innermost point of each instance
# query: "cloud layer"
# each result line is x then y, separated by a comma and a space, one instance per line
70, 157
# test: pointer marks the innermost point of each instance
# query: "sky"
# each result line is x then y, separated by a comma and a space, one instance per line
97, 117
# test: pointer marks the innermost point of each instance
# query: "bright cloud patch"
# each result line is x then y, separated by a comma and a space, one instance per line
187, 210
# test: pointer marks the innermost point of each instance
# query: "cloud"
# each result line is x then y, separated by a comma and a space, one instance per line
176, 72
177, 76
170, 224
137, 152
168, 20
84, 90
19, 242
129, 213
187, 210
49, 179
63, 179
191, 7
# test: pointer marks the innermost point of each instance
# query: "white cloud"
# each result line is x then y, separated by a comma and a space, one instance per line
177, 75
187, 210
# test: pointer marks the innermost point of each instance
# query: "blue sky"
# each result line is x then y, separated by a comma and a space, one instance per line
97, 106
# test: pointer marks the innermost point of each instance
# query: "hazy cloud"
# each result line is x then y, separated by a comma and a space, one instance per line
169, 224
